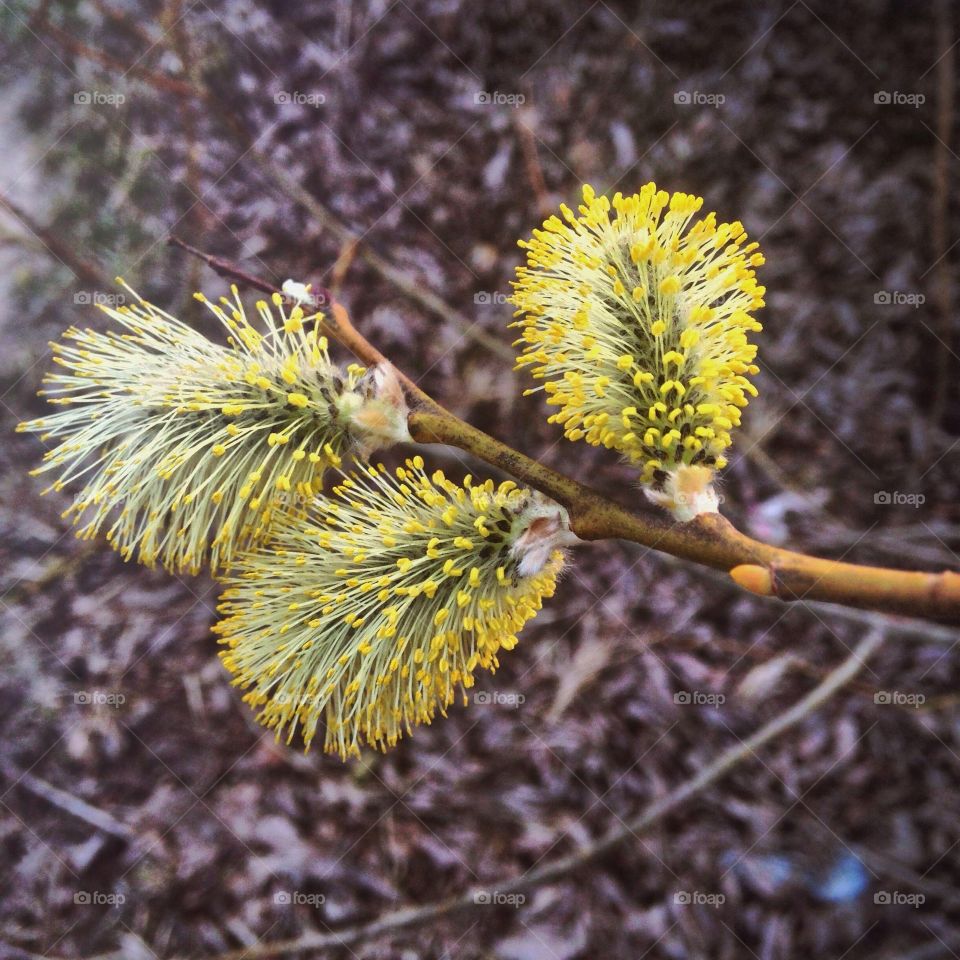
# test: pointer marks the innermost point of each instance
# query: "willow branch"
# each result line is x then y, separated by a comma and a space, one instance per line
408, 285
710, 539
56, 246
396, 920
159, 81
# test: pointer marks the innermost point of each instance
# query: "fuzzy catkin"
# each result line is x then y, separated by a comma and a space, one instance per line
186, 449
635, 314
372, 613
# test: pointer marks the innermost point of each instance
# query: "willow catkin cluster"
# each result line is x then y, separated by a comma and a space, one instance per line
375, 611
185, 450
636, 313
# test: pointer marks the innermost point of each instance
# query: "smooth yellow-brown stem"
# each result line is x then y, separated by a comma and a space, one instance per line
710, 539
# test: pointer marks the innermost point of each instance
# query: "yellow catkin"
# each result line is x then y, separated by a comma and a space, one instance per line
183, 449
374, 612
635, 313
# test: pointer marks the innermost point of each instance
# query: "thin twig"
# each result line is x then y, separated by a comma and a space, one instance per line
941, 211
224, 268
70, 804
61, 251
654, 812
531, 162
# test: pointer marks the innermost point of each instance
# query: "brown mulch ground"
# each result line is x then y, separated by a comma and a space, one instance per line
110, 689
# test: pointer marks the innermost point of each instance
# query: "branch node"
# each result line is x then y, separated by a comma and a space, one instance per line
756, 579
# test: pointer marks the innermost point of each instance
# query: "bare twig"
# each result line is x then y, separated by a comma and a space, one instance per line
83, 269
941, 209
531, 162
348, 252
70, 804
224, 268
